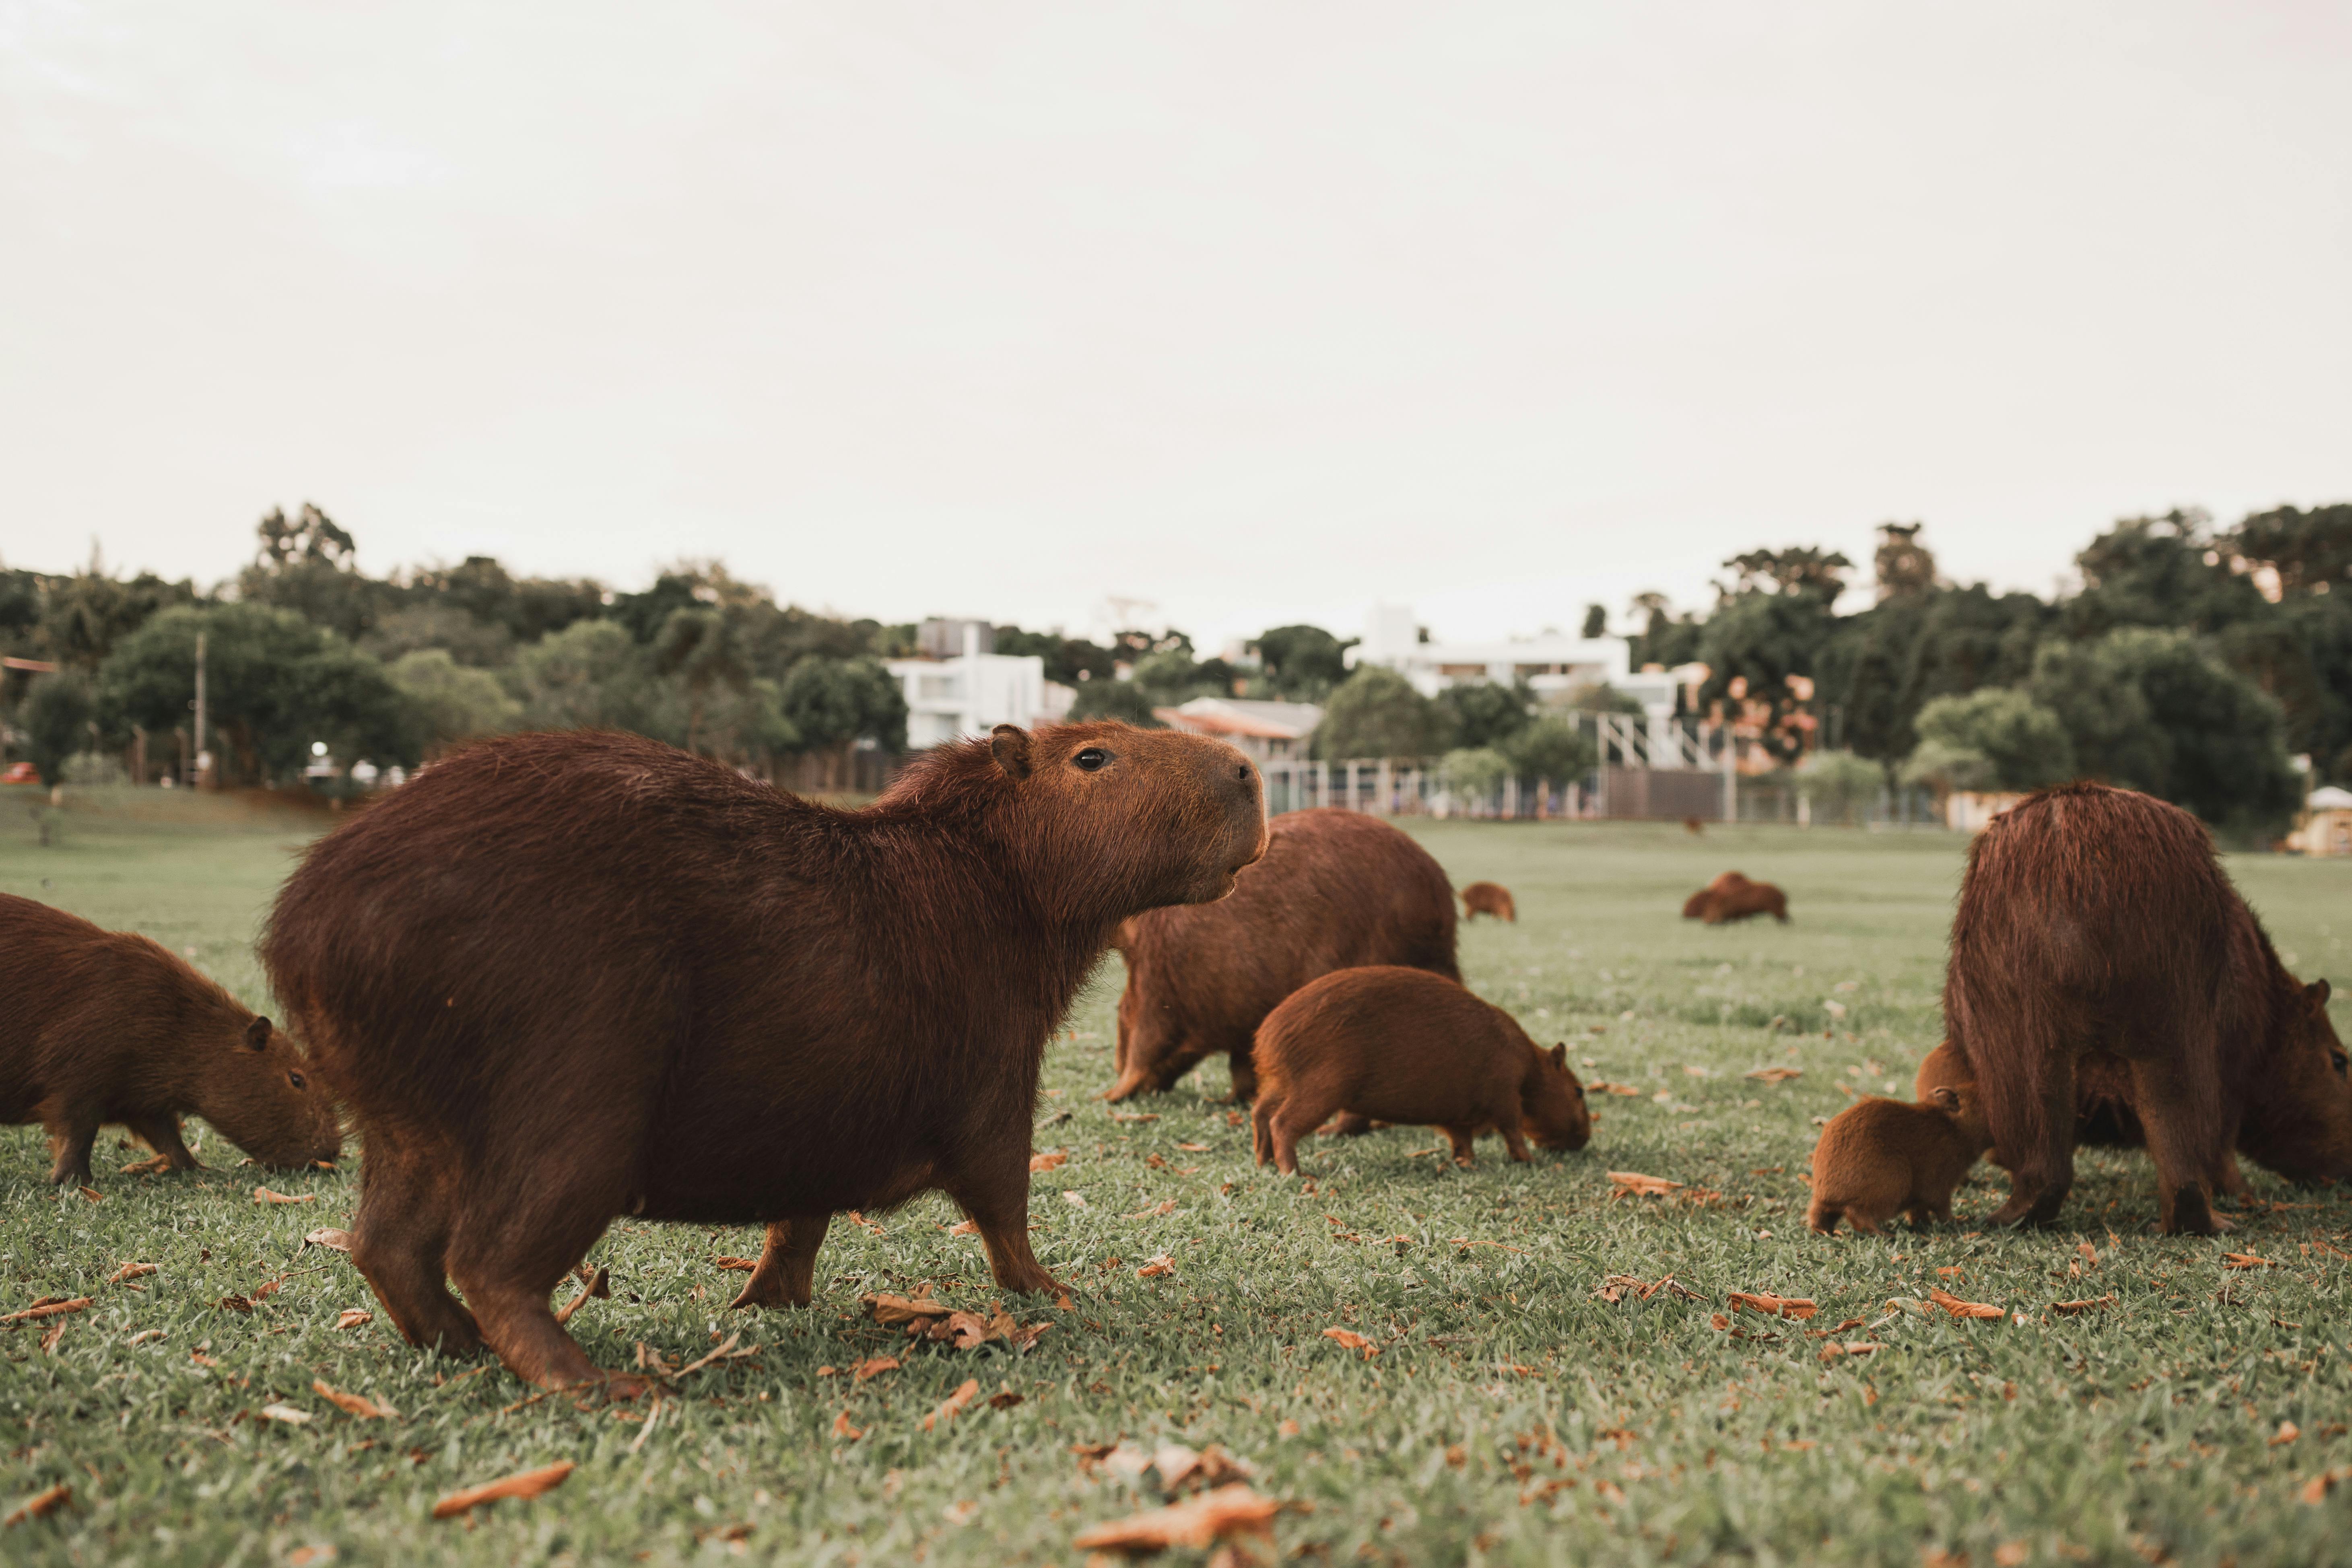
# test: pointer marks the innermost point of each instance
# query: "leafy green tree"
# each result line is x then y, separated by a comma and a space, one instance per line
1376, 713
698, 648
275, 683
1172, 676
1553, 746
1665, 641
1474, 771
1301, 663
1759, 644
55, 716
645, 615
307, 565
1600, 697
834, 703
2310, 550
1906, 568
1804, 571
1945, 768
1068, 660
1839, 784
1482, 714
481, 644
1596, 623
84, 615
2167, 572
590, 675
1119, 699
448, 702
2025, 742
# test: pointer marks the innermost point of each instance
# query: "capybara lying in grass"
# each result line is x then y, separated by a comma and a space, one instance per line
1488, 899
2100, 955
1878, 1158
100, 1026
561, 978
1405, 1045
2103, 1118
1732, 897
1335, 889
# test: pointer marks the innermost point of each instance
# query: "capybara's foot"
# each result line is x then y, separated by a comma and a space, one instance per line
2189, 1213
1348, 1125
786, 1273
2030, 1208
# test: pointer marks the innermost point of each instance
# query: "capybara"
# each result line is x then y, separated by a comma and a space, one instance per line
1694, 826
561, 978
2101, 955
2102, 1115
1406, 1044
1335, 889
1878, 1158
1488, 899
100, 1026
1732, 897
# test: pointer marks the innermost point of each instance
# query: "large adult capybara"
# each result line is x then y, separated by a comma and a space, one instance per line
1732, 897
100, 1027
563, 978
1406, 1044
1488, 899
2102, 1115
1878, 1158
1337, 890
2098, 946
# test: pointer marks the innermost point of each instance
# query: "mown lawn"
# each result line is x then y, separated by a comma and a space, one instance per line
1513, 1414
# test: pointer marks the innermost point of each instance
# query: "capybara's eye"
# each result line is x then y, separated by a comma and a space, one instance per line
296, 1079
1091, 760
2342, 1063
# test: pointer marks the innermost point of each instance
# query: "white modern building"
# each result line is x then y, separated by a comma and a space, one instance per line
1553, 665
972, 693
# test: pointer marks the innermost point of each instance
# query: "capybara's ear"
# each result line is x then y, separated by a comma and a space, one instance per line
256, 1034
1559, 1056
2316, 994
1009, 744
1943, 1095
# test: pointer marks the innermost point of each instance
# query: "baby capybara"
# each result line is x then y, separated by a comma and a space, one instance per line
1405, 1045
100, 1026
1732, 897
562, 978
2102, 1115
1335, 889
1878, 1158
2101, 956
1488, 899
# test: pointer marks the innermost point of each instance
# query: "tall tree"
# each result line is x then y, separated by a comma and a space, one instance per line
1301, 663
1375, 713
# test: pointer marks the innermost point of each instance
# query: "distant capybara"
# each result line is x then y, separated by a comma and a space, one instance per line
1337, 890
1732, 897
1405, 1045
100, 1026
562, 978
1694, 826
1878, 1158
2103, 1118
1488, 899
2101, 956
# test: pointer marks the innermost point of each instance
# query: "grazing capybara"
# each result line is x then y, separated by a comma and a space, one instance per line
1878, 1158
100, 1026
1732, 897
562, 978
1335, 889
2102, 1118
1488, 899
1694, 826
2101, 956
1406, 1044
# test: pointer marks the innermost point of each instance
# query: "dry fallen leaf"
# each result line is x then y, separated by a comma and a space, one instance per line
40, 1505
727, 1352
286, 1413
1835, 1348
964, 1228
842, 1428
528, 1484
1164, 1264
888, 1309
1774, 1075
1604, 1087
1006, 1400
1193, 1148
874, 1367
264, 1195
357, 1404
2246, 1260
2315, 1491
955, 1405
327, 1237
1076, 1200
1053, 1162
353, 1318
1773, 1306
2287, 1432
93, 1194
130, 1271
49, 1307
2090, 1304
1348, 1339
1633, 1184
154, 1165
1959, 1308
728, 1263
1233, 1509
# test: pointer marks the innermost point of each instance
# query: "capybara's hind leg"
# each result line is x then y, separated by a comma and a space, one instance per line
1245, 1075
400, 1241
1262, 1129
2034, 1129
1824, 1218
162, 1133
1466, 1144
73, 1132
2175, 1109
507, 1265
994, 1191
1350, 1125
786, 1275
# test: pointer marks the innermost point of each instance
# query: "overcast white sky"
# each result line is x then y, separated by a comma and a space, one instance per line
1258, 312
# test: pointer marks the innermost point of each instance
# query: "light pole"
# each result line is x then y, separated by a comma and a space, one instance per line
203, 758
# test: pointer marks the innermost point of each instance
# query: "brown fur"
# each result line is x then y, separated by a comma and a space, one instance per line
1488, 899
2101, 1118
100, 1026
2100, 956
1694, 826
1405, 1045
1732, 897
1878, 1158
1337, 890
563, 978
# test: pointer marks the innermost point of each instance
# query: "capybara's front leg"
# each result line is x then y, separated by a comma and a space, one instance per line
2033, 1128
1245, 1075
998, 1203
1466, 1144
2232, 1180
1513, 1136
73, 1132
2180, 1135
1350, 1125
786, 1275
162, 1133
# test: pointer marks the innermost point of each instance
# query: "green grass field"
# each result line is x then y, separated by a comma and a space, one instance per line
1512, 1415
